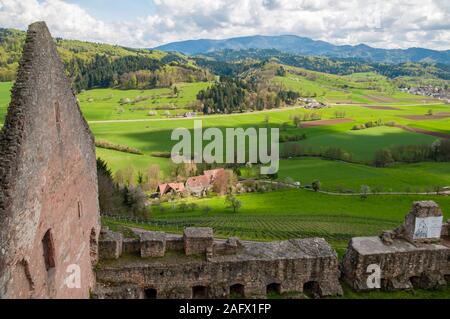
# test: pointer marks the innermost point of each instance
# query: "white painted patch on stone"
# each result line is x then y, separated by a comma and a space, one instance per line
428, 228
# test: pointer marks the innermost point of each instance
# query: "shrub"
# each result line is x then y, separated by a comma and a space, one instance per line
297, 121
116, 147
359, 127
383, 158
134, 199
411, 153
161, 154
293, 138
390, 123
316, 186
291, 149
365, 190
233, 203
336, 153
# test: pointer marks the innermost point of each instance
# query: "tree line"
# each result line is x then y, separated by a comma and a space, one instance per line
235, 95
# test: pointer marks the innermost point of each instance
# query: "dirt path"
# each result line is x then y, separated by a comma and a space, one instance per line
197, 117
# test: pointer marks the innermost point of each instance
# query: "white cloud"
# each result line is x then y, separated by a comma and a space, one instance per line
391, 24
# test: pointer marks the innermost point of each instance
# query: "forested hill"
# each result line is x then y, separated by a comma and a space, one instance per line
232, 62
306, 46
91, 65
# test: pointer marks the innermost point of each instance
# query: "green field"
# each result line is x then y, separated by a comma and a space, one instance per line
365, 88
152, 134
104, 104
340, 176
293, 214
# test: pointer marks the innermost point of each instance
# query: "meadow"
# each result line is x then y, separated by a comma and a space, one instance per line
341, 176
152, 134
288, 214
357, 88
105, 104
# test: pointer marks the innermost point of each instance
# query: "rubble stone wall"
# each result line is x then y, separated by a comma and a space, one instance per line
303, 262
402, 265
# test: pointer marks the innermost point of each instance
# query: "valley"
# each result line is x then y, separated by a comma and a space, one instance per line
338, 150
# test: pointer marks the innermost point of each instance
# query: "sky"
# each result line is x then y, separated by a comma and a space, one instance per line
149, 23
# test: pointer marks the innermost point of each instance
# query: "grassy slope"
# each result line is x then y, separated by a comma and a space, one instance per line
295, 214
339, 176
155, 136
103, 104
367, 88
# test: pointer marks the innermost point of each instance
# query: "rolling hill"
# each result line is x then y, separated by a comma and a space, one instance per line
307, 46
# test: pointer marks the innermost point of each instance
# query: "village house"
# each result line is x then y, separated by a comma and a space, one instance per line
199, 185
170, 188
196, 186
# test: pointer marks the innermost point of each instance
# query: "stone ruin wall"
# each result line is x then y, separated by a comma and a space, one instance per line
405, 261
426, 268
49, 212
175, 281
214, 267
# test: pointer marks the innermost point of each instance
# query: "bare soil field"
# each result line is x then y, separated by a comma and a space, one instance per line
379, 107
422, 131
437, 116
325, 122
380, 99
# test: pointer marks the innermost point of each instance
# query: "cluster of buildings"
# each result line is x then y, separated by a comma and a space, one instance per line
431, 91
196, 186
311, 104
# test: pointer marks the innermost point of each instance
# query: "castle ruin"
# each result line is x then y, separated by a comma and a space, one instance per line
50, 236
49, 212
415, 255
195, 265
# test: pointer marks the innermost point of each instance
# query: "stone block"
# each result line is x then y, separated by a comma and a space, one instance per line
197, 240
110, 244
402, 263
153, 244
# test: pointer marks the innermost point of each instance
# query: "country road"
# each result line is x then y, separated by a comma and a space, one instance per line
227, 115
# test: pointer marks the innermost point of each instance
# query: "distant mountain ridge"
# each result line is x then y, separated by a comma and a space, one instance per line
306, 46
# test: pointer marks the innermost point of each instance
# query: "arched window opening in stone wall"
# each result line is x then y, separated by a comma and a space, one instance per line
199, 292
150, 293
273, 288
311, 289
237, 291
48, 247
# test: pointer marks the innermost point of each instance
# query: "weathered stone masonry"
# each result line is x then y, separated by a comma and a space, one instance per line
159, 265
405, 260
49, 213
